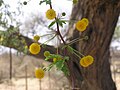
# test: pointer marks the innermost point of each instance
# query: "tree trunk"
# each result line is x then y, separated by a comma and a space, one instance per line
103, 16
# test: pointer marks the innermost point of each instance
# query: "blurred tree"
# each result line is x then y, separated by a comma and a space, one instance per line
116, 35
103, 16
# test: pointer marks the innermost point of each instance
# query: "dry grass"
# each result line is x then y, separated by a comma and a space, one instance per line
55, 80
33, 84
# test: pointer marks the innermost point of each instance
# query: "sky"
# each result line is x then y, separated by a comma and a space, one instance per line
34, 7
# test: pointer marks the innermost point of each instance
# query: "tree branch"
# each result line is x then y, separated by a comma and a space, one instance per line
28, 42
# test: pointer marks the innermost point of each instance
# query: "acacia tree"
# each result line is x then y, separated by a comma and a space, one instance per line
103, 16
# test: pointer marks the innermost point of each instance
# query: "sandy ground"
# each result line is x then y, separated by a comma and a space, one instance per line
33, 84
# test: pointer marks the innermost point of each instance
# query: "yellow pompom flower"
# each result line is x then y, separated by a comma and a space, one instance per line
39, 73
86, 21
34, 48
82, 62
50, 14
36, 38
82, 24
86, 61
89, 60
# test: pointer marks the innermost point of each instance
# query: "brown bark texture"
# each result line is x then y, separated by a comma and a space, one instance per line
102, 16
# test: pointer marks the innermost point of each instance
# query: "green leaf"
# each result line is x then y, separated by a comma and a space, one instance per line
63, 21
51, 24
60, 23
51, 56
1, 2
66, 58
65, 70
48, 2
59, 64
41, 2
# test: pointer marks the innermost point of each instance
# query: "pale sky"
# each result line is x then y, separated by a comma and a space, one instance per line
34, 7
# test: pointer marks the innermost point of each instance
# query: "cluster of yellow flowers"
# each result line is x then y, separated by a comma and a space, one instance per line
86, 61
39, 73
35, 47
82, 24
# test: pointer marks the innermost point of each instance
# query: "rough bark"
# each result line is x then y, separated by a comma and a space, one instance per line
103, 16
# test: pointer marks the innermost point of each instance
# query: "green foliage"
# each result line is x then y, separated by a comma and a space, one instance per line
11, 38
116, 33
59, 21
51, 24
51, 56
65, 70
46, 1
1, 2
59, 63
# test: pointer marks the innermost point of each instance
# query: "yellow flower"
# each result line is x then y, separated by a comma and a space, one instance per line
82, 24
39, 73
89, 60
36, 38
54, 60
86, 21
34, 48
82, 62
86, 61
50, 14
